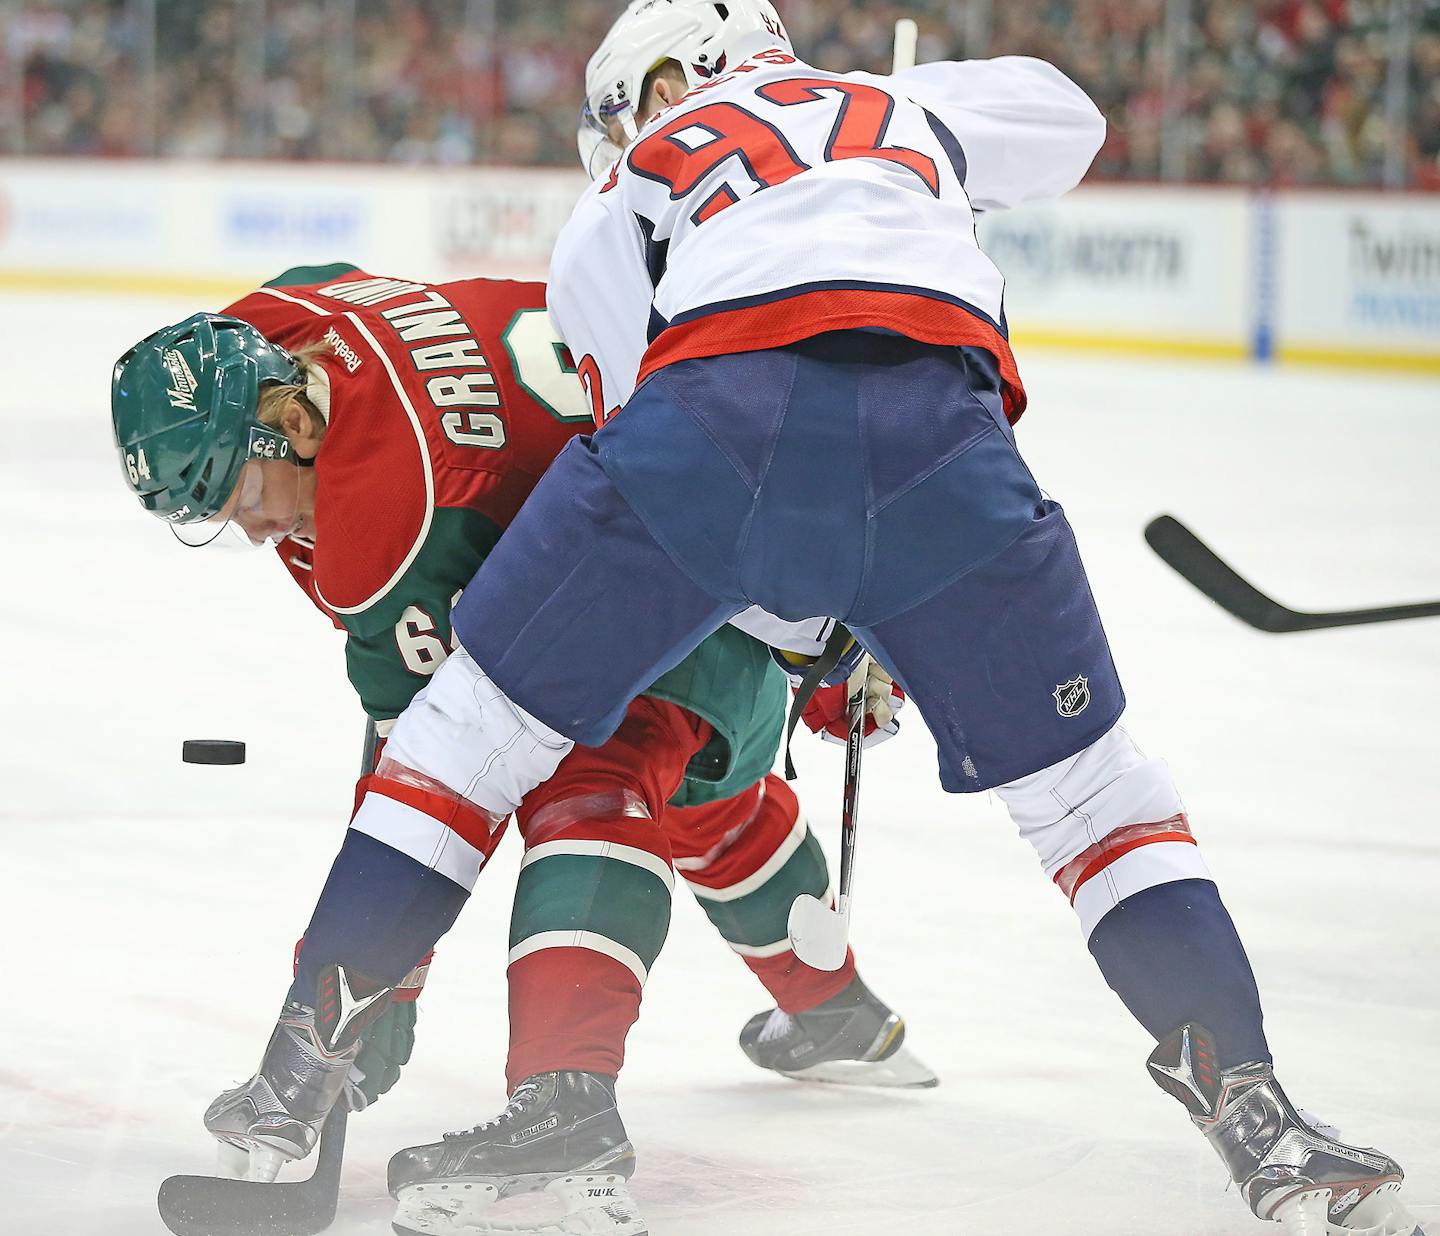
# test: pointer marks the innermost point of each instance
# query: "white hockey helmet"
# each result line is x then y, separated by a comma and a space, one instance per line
701, 34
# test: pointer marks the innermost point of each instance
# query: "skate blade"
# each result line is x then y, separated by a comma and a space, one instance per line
231, 1162
595, 1204
1380, 1214
902, 1071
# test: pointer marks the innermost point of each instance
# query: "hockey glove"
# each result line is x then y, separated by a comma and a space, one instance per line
825, 714
386, 1046
387, 1043
385, 1050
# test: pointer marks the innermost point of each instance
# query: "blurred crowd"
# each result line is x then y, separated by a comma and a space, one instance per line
1286, 92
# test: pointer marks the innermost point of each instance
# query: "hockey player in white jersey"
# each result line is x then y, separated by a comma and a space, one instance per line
775, 283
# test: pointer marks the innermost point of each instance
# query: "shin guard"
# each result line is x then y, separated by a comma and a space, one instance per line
403, 874
592, 904
1111, 832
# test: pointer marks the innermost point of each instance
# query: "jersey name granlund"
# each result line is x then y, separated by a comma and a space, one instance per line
441, 340
445, 403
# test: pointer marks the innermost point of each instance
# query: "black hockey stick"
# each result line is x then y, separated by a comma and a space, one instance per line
819, 935
1203, 567
214, 1206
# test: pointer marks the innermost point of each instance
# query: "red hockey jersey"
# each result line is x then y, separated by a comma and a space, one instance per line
445, 404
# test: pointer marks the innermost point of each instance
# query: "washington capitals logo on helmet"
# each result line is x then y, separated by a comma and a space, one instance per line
182, 390
704, 70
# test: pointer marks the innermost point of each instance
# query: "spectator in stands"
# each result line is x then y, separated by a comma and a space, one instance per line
1246, 92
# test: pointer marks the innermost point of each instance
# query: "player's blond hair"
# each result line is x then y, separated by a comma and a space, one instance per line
276, 395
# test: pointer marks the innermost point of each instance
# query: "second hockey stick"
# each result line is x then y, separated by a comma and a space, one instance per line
819, 935
217, 1206
907, 35
1202, 566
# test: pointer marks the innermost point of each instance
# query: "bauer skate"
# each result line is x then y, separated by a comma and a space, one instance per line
560, 1135
276, 1116
1289, 1167
852, 1039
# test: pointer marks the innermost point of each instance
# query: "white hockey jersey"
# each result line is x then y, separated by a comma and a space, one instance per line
779, 201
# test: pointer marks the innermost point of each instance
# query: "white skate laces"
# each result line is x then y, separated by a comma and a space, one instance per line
777, 1026
524, 1092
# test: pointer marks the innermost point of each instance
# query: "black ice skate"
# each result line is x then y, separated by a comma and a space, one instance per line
1290, 1168
852, 1039
560, 1134
276, 1116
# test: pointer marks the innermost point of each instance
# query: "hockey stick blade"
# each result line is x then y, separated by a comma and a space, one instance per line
819, 935
1190, 557
214, 1206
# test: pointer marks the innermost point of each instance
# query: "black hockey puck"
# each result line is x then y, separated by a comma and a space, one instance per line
212, 751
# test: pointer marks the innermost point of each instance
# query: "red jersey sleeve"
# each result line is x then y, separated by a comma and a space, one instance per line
449, 397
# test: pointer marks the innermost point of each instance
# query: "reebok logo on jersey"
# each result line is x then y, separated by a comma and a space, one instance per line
347, 355
545, 1126
1073, 697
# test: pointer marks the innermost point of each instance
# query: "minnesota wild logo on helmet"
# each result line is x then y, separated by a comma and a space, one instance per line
182, 407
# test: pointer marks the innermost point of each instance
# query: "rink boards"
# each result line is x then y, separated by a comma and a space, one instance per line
1331, 277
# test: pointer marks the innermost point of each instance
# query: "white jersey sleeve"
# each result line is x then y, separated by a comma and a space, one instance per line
1027, 131
599, 295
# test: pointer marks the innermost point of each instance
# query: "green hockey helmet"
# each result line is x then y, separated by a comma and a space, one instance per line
183, 406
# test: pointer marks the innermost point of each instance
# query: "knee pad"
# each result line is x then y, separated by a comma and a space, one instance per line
464, 732
720, 843
575, 814
1106, 823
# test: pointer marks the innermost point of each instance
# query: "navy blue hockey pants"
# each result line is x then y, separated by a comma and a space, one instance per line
856, 474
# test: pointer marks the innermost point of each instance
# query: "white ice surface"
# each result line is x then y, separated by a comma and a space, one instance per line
147, 909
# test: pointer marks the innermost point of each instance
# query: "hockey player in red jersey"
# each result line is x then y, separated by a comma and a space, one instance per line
800, 356
384, 432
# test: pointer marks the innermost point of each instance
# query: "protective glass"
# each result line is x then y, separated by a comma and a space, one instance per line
263, 509
596, 133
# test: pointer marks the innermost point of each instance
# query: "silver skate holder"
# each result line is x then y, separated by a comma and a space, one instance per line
1380, 1214
593, 1204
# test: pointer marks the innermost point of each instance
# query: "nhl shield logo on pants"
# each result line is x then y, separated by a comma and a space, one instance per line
1073, 697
